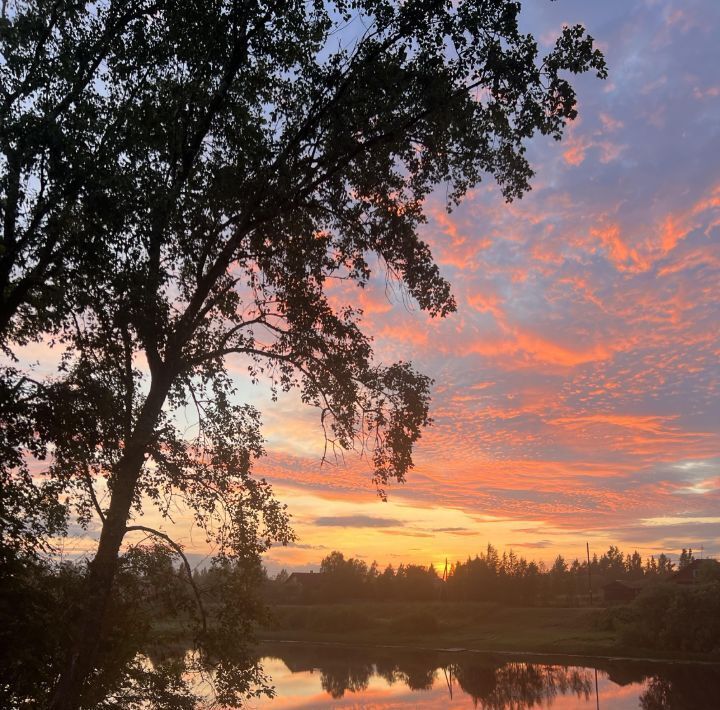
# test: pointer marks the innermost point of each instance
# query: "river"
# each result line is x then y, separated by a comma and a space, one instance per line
316, 676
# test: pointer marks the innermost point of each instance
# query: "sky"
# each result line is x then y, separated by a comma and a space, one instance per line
576, 387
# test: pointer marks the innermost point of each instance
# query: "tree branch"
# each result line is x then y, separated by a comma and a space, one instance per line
93, 496
188, 569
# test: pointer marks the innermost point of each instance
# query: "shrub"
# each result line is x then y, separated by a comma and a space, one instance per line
668, 617
613, 618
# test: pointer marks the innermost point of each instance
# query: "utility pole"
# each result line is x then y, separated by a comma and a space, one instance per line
587, 545
597, 694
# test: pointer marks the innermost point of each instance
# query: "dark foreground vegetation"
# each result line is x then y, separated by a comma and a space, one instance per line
151, 596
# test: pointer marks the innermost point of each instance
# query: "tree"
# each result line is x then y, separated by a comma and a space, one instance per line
30, 510
686, 558
344, 578
58, 149
182, 181
634, 565
651, 567
559, 576
664, 565
612, 563
35, 597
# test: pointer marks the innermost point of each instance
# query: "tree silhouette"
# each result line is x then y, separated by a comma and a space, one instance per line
181, 182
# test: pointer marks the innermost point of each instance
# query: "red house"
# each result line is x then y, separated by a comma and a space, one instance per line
619, 592
697, 571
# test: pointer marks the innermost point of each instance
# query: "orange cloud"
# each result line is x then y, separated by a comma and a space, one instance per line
619, 252
574, 153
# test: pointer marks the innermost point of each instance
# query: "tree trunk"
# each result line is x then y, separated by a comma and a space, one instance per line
92, 608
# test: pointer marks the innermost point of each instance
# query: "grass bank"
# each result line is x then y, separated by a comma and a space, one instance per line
478, 627
488, 627
550, 631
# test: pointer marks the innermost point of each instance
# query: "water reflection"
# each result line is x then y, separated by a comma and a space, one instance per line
522, 685
680, 689
314, 676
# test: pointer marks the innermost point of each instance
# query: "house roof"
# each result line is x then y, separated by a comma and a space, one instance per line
306, 579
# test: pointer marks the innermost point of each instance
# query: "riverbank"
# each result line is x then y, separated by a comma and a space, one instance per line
475, 627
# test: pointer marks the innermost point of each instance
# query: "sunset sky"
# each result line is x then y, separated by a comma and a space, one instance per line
577, 386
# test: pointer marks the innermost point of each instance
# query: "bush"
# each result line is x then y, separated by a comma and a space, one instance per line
668, 617
613, 618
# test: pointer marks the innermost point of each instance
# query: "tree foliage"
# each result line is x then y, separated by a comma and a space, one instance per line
181, 184
507, 579
675, 618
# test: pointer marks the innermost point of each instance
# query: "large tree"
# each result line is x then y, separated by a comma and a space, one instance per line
181, 181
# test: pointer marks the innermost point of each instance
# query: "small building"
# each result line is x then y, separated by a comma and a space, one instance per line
304, 583
619, 592
697, 571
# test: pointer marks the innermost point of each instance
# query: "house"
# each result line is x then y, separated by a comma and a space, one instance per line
619, 592
304, 583
697, 571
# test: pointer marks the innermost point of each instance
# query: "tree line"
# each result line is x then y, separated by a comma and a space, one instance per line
489, 576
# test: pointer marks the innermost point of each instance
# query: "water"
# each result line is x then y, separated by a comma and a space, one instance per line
316, 676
